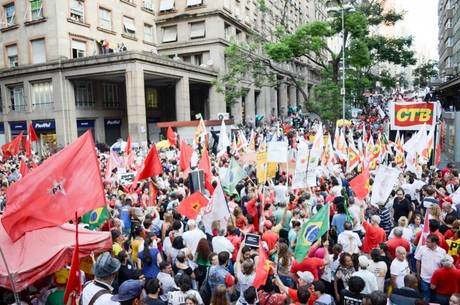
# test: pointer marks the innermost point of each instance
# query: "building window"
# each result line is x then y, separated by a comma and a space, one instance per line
110, 97
84, 94
148, 33
194, 3
78, 48
151, 98
18, 103
10, 14
166, 5
105, 19
12, 53
170, 34
197, 30
38, 51
198, 59
128, 26
36, 9
227, 31
42, 95
148, 5
77, 10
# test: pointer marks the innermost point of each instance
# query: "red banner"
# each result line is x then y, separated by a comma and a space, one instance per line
412, 116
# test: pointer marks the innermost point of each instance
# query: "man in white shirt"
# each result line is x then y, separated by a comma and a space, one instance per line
355, 212
281, 192
221, 243
399, 268
349, 240
368, 277
428, 260
192, 236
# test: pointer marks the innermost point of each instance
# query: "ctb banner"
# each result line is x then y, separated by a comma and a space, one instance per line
412, 116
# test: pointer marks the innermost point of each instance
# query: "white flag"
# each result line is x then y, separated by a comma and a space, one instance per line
216, 210
417, 142
277, 151
385, 180
224, 142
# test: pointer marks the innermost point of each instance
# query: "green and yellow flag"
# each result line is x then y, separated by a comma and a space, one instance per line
95, 218
311, 231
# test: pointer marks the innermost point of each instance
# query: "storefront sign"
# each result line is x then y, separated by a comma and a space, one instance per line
112, 122
85, 124
43, 125
412, 116
18, 126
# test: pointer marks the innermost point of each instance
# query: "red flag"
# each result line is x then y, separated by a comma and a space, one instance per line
263, 269
74, 283
171, 136
360, 184
437, 160
185, 155
12, 148
205, 165
152, 165
191, 206
128, 145
67, 182
27, 147
32, 134
23, 169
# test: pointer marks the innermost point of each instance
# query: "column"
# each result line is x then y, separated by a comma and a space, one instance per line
273, 98
216, 102
250, 115
135, 102
183, 99
282, 112
292, 96
236, 111
64, 106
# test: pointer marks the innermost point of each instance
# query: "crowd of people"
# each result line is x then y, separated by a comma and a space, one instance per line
371, 255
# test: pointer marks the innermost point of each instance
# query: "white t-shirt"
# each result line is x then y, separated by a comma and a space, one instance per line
280, 193
355, 212
429, 260
400, 270
350, 242
178, 297
379, 269
221, 244
191, 238
407, 233
370, 280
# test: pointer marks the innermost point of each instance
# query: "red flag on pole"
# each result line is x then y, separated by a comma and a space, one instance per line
152, 165
263, 268
128, 145
171, 136
23, 169
185, 155
191, 206
12, 148
68, 181
74, 282
205, 165
360, 184
32, 134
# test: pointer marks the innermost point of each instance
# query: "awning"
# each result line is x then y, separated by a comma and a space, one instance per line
42, 252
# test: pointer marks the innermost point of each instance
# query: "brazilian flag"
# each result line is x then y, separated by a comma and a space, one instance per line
95, 218
311, 231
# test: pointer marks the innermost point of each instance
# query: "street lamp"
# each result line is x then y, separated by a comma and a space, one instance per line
341, 8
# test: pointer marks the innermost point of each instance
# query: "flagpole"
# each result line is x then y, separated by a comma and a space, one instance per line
13, 286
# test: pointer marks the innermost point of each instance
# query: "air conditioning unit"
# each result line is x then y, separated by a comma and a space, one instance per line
223, 116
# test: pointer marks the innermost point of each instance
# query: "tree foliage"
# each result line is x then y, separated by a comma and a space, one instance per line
424, 72
264, 63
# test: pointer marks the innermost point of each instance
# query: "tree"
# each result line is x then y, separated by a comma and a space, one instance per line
263, 63
424, 72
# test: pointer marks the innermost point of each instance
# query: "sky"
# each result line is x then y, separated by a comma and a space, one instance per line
421, 22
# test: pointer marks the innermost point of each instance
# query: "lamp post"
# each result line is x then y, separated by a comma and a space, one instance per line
342, 9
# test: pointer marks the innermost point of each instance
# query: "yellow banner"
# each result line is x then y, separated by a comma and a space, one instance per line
454, 246
262, 173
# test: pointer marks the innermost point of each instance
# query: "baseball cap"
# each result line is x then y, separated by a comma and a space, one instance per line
128, 290
363, 261
306, 276
106, 265
229, 280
